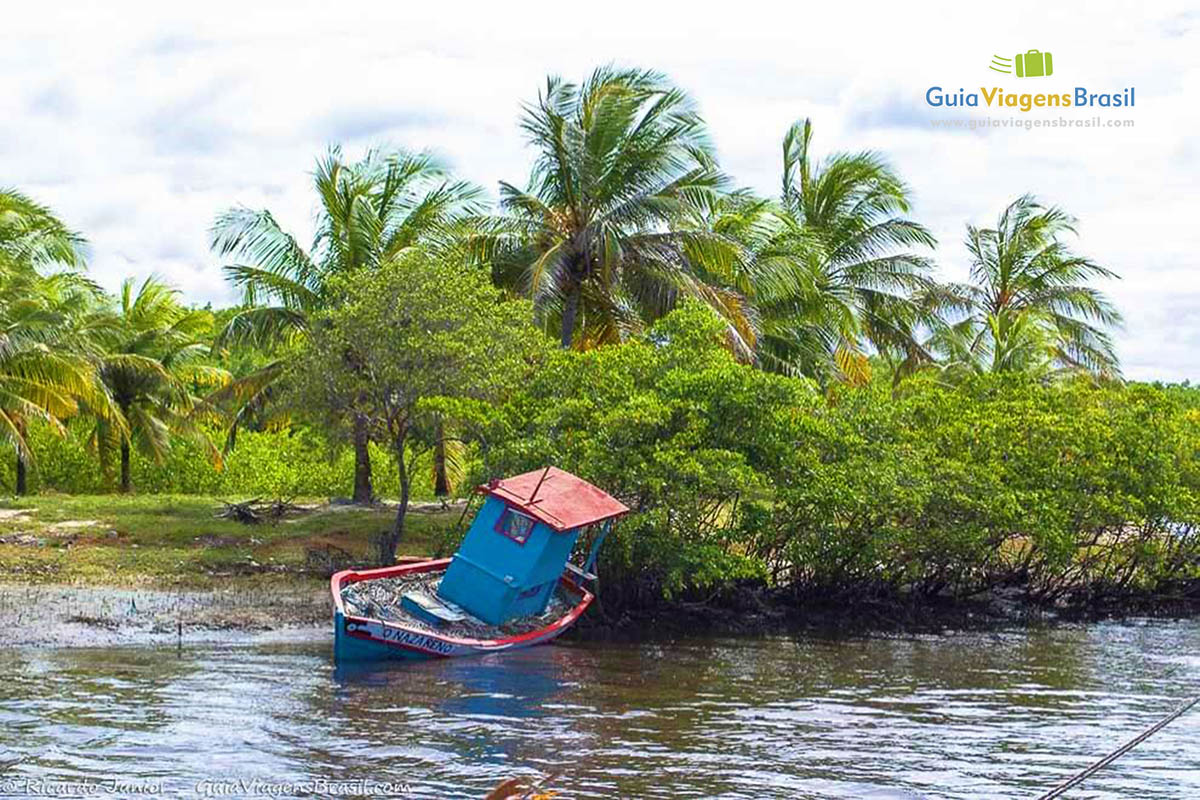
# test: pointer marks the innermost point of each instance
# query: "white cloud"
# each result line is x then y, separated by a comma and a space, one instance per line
140, 122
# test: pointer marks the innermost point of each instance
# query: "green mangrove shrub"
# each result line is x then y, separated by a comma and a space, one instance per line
1069, 491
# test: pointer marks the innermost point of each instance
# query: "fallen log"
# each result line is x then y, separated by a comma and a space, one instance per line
254, 512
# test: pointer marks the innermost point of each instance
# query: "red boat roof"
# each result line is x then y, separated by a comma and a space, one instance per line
557, 498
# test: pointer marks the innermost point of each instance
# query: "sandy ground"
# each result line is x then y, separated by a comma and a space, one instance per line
69, 616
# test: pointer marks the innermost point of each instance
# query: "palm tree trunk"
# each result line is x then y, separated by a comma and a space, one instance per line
441, 481
126, 482
21, 479
570, 311
363, 491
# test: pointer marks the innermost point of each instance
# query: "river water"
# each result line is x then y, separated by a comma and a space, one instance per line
997, 715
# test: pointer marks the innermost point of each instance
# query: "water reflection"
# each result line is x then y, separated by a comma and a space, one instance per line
510, 685
974, 715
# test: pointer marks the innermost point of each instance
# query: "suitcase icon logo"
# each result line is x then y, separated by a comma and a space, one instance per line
1030, 64
1033, 64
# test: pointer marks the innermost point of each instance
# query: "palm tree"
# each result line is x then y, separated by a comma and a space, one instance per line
45, 369
837, 277
33, 238
371, 212
1028, 307
44, 331
154, 366
609, 233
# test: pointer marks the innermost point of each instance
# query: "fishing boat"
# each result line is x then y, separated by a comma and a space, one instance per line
511, 583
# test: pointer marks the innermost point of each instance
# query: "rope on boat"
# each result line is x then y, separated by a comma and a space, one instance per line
1057, 791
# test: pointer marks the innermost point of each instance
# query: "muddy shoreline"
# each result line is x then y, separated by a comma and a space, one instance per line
41, 615
45, 615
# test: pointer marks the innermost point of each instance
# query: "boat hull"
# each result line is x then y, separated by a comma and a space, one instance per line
360, 639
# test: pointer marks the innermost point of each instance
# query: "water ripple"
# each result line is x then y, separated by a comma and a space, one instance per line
998, 715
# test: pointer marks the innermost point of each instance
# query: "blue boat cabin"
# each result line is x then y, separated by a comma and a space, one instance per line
518, 545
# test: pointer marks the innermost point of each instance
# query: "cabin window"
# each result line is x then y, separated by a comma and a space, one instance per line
515, 525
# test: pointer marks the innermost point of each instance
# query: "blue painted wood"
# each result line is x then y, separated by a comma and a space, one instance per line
496, 578
429, 609
347, 649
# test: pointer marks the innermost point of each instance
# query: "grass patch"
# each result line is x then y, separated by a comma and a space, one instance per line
176, 540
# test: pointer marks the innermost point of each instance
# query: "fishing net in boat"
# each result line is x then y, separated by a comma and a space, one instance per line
380, 599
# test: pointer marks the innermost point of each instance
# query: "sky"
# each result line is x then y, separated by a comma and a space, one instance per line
140, 122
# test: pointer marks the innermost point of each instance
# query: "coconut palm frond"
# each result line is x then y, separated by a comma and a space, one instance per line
49, 323
1028, 307
263, 327
609, 232
32, 237
153, 364
838, 266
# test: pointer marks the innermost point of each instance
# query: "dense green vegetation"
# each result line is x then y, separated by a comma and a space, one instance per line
780, 387
292, 461
1074, 490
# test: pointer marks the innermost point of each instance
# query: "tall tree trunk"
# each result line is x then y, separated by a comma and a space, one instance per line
363, 492
570, 311
441, 481
391, 540
126, 482
21, 479
21, 465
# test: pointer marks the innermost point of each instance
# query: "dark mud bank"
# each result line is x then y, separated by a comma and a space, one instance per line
759, 611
